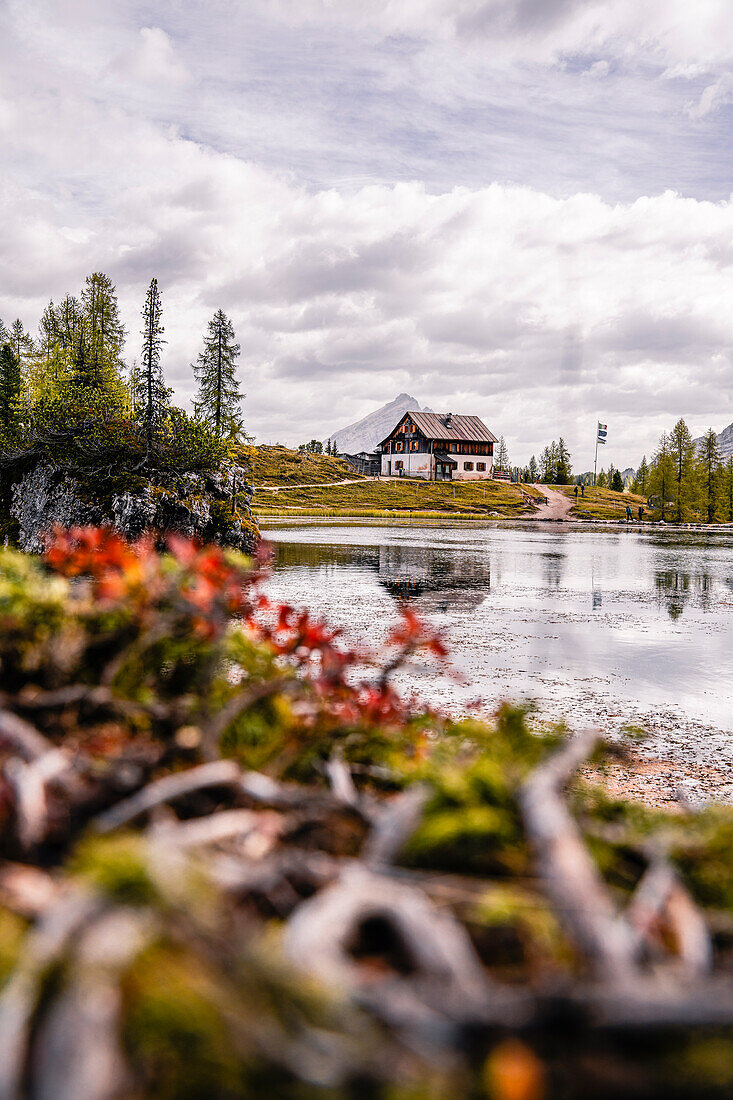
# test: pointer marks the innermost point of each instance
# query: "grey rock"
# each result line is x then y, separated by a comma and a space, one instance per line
45, 498
182, 503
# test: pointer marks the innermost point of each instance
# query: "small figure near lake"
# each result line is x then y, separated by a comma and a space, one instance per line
576, 494
641, 513
629, 516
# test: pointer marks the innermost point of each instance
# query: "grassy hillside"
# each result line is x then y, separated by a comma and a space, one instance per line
603, 503
281, 466
374, 498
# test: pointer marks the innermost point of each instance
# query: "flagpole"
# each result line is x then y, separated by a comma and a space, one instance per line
595, 462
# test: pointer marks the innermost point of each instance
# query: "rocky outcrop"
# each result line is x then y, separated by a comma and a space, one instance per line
211, 506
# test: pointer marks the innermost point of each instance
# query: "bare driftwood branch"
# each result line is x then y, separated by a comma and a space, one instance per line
692, 935
571, 879
432, 950
224, 825
221, 773
29, 785
339, 776
394, 824
43, 946
77, 1050
27, 890
23, 738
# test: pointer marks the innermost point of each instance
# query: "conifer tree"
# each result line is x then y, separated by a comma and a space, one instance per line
639, 484
727, 490
149, 392
661, 474
502, 455
218, 399
711, 462
21, 342
563, 469
617, 482
10, 388
532, 469
103, 336
685, 470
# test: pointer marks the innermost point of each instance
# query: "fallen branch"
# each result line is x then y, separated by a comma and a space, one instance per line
573, 884
222, 773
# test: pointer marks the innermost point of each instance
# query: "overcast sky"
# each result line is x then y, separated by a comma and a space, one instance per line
515, 208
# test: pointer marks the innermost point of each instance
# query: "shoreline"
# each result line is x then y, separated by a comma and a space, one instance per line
430, 518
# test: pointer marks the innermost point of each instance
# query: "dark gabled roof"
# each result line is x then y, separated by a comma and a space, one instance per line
467, 429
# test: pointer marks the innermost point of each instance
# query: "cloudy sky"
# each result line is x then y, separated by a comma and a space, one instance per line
516, 208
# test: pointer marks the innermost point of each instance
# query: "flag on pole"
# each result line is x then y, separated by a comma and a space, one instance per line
602, 432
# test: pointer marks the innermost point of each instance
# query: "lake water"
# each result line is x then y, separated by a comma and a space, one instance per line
598, 627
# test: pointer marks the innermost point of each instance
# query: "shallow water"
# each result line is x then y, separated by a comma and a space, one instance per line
610, 628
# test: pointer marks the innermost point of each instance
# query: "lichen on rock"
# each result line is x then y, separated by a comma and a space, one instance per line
212, 506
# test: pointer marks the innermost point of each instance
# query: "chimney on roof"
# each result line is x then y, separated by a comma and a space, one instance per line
448, 419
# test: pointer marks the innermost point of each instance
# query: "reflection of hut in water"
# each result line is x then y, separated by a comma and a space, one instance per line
432, 579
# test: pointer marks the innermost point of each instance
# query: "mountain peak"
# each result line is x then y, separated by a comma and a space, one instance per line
364, 434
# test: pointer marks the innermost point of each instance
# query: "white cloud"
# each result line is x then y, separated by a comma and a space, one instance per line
151, 61
713, 97
492, 238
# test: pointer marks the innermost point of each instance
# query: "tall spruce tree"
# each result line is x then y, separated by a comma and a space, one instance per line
641, 477
11, 384
563, 469
21, 342
711, 462
149, 392
502, 455
532, 470
219, 398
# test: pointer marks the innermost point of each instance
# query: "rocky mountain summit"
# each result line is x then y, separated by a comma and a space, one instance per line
725, 441
364, 434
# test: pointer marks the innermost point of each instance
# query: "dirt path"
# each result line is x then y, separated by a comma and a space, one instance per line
558, 505
310, 485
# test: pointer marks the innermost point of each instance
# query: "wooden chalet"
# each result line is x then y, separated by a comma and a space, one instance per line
439, 447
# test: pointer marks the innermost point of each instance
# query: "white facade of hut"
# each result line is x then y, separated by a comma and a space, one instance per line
439, 447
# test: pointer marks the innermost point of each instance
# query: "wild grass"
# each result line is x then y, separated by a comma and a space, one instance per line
386, 498
274, 465
600, 503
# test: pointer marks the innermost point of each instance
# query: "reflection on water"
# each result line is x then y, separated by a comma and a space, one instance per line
613, 626
675, 588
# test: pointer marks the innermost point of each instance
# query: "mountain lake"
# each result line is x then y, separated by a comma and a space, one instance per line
612, 628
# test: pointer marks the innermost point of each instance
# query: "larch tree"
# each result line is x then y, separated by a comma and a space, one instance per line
149, 392
682, 447
711, 462
219, 398
103, 335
